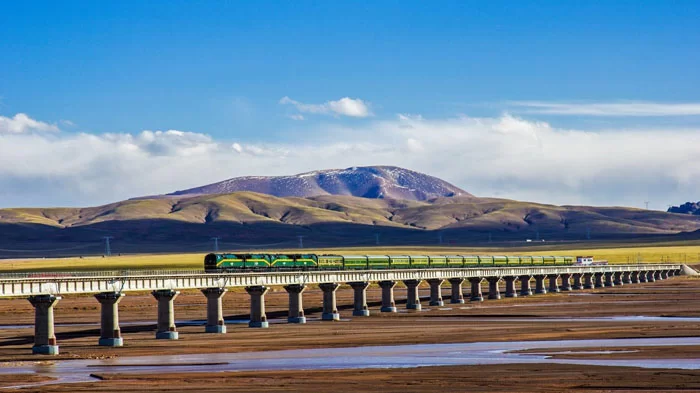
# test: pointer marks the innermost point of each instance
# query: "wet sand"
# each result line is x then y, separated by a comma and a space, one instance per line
495, 320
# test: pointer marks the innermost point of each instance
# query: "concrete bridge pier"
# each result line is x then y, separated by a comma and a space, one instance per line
166, 314
44, 337
599, 280
651, 276
539, 284
330, 308
296, 303
110, 334
456, 286
643, 274
412, 298
588, 281
670, 273
565, 282
657, 275
436, 292
634, 277
609, 279
626, 278
258, 318
494, 292
525, 285
215, 313
510, 286
360, 298
476, 295
617, 278
388, 304
577, 281
553, 287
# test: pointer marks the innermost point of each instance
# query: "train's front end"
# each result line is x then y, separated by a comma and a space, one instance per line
211, 263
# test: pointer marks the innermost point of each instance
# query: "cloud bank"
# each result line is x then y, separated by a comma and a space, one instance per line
504, 156
629, 108
21, 123
343, 107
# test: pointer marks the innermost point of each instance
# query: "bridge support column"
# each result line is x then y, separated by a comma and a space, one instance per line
166, 314
436, 292
388, 304
664, 274
539, 284
577, 281
617, 278
360, 290
44, 337
510, 286
412, 298
642, 275
476, 295
599, 280
626, 278
553, 287
494, 292
330, 309
296, 303
609, 279
588, 281
525, 285
110, 335
565, 282
651, 276
258, 318
215, 313
670, 273
456, 286
657, 275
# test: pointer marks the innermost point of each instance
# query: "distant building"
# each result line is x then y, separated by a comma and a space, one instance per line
584, 260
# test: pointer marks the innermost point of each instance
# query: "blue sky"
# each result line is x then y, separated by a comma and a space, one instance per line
222, 70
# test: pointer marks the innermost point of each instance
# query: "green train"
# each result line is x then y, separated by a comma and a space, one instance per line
224, 262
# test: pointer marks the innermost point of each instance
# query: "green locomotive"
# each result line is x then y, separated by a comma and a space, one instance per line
224, 262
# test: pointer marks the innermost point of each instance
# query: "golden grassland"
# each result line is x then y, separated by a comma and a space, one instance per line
624, 254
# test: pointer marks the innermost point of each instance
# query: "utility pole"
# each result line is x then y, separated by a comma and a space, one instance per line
588, 233
108, 250
376, 238
301, 241
216, 243
439, 237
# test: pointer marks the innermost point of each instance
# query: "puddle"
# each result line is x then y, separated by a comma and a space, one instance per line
400, 356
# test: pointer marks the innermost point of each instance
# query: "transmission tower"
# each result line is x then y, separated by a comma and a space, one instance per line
376, 238
646, 204
216, 243
108, 250
301, 241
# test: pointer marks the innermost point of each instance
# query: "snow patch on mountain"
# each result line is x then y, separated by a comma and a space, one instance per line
367, 182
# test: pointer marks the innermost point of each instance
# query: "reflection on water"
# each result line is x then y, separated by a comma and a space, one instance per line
481, 353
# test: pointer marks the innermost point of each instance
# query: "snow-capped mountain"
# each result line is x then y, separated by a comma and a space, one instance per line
366, 182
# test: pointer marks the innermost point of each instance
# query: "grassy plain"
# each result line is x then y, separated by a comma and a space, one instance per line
642, 253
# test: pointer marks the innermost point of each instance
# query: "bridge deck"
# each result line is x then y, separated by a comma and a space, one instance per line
26, 284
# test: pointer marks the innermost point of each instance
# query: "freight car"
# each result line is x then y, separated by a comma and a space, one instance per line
223, 262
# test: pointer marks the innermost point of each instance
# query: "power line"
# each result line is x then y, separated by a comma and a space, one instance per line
108, 250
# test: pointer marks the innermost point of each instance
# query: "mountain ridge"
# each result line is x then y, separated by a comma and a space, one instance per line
374, 182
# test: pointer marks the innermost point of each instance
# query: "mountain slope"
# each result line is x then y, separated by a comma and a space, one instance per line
367, 182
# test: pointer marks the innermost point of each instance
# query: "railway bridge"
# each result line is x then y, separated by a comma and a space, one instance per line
45, 289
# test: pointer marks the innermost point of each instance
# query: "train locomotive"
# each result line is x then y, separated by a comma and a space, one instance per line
227, 262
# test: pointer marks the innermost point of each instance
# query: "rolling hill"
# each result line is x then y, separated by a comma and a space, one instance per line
253, 220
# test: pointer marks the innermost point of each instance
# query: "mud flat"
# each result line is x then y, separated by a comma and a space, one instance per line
561, 316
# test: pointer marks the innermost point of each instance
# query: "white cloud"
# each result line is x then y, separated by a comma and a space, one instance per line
22, 123
505, 156
297, 117
624, 108
345, 106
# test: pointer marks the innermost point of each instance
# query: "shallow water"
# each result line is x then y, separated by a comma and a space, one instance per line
400, 356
